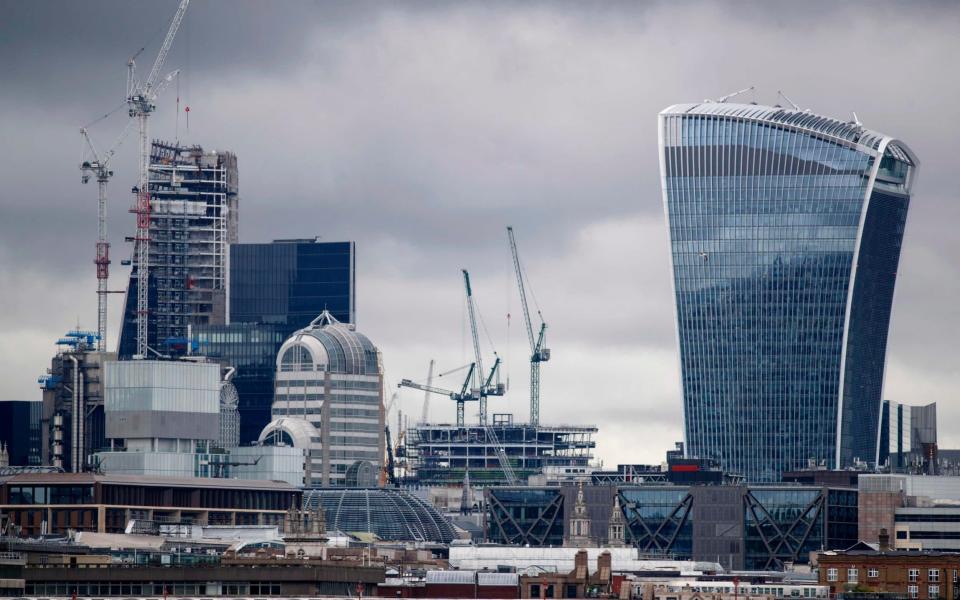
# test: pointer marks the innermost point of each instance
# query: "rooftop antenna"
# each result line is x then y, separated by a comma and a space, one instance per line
723, 99
789, 101
856, 119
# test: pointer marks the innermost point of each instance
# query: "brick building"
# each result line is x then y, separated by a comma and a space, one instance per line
915, 575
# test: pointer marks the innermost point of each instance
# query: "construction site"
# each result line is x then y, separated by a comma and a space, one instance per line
193, 218
497, 451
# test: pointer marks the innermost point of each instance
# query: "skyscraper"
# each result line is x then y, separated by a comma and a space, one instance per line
275, 289
785, 232
194, 217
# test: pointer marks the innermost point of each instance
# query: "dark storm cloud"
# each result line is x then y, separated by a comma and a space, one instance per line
421, 129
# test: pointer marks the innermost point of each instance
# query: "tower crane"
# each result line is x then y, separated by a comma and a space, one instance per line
466, 393
486, 387
538, 353
141, 98
95, 164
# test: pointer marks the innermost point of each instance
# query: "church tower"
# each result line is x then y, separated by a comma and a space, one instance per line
579, 533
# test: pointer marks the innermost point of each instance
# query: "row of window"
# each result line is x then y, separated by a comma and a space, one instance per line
913, 575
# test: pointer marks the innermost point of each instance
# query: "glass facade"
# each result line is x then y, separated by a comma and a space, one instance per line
659, 520
275, 289
250, 348
525, 516
291, 282
393, 515
785, 232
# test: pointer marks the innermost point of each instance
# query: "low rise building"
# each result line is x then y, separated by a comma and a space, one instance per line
755, 527
57, 502
915, 575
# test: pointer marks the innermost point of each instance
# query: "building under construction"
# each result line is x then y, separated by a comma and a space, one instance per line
193, 218
441, 454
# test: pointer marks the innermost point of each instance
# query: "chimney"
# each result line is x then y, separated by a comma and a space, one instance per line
884, 539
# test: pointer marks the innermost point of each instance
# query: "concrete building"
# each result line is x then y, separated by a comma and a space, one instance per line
162, 417
194, 215
440, 454
783, 287
918, 512
329, 401
73, 385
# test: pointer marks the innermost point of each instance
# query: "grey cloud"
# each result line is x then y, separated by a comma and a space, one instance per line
421, 129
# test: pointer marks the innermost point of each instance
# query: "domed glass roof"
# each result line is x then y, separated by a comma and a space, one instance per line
342, 349
393, 515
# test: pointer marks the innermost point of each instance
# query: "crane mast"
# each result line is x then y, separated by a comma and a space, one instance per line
98, 166
538, 353
140, 102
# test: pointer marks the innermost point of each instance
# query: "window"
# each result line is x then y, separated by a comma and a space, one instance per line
852, 575
933, 575
912, 590
873, 573
831, 574
913, 575
933, 592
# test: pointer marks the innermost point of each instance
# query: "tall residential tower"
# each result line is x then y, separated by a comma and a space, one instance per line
785, 232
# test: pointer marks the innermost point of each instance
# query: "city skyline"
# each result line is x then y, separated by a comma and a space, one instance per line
349, 124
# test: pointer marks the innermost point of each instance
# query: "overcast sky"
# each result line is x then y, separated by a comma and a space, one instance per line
421, 130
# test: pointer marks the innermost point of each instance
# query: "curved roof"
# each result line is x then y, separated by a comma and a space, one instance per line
851, 134
335, 347
393, 515
300, 431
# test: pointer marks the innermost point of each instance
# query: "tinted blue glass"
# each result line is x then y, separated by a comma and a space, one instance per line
764, 225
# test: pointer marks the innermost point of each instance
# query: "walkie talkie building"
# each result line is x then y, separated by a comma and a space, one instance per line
785, 232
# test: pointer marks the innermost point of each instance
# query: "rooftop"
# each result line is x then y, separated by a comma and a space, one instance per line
195, 482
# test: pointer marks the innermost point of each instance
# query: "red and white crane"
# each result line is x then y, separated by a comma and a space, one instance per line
141, 98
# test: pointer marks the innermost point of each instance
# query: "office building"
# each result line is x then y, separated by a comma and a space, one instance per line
291, 282
753, 527
785, 231
20, 431
908, 438
73, 385
162, 418
275, 289
329, 401
194, 214
58, 502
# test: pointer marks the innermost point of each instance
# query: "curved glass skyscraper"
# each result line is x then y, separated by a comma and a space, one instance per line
785, 233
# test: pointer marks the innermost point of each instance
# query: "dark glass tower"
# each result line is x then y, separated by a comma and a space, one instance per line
275, 289
785, 232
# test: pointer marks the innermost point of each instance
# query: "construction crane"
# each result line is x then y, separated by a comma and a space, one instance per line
141, 98
486, 387
466, 393
425, 415
387, 469
538, 353
95, 164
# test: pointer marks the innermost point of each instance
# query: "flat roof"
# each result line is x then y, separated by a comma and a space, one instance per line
197, 482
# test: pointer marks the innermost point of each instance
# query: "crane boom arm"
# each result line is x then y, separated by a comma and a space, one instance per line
151, 80
523, 291
426, 388
473, 323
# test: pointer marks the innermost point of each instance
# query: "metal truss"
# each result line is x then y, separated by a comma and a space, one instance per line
784, 541
511, 531
657, 538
